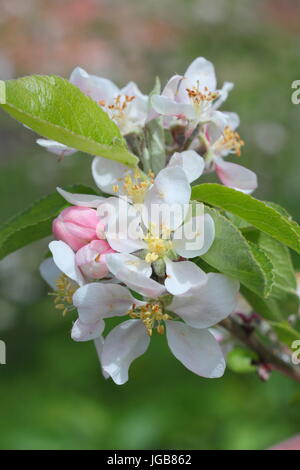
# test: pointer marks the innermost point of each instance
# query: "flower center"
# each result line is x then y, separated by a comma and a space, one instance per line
231, 141
135, 186
118, 106
158, 246
198, 97
63, 296
152, 315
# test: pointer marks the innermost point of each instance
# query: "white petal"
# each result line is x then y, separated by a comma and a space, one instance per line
83, 200
50, 272
168, 107
183, 276
201, 72
209, 303
135, 273
87, 331
194, 237
171, 88
122, 346
236, 176
167, 200
223, 94
96, 301
107, 173
123, 225
64, 258
196, 349
99, 89
99, 348
56, 147
190, 162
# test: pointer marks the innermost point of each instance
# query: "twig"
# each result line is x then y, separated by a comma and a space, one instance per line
266, 355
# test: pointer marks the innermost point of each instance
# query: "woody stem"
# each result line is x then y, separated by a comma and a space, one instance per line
266, 354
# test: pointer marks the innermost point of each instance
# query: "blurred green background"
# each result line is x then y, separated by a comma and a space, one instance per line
52, 393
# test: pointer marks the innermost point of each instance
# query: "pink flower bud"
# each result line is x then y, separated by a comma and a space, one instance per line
76, 226
91, 259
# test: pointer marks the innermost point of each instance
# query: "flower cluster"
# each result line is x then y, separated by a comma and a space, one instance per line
134, 253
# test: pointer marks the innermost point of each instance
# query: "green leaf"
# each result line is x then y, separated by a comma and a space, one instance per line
241, 360
257, 213
34, 222
283, 290
231, 254
58, 110
285, 332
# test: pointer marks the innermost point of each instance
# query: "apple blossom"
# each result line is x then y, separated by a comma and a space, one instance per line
161, 217
193, 97
190, 341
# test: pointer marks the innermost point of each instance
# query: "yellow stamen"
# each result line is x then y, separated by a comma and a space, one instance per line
231, 141
63, 299
151, 315
198, 96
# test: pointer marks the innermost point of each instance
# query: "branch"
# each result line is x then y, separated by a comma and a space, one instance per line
266, 355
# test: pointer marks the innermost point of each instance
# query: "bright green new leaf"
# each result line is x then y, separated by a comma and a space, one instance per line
241, 360
58, 110
34, 222
257, 213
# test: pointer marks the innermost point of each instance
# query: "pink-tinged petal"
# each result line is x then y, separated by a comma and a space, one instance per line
196, 349
190, 162
87, 331
125, 343
135, 273
50, 272
183, 276
236, 176
91, 259
64, 258
108, 173
76, 226
194, 237
99, 89
290, 444
56, 147
201, 74
83, 200
96, 301
172, 86
209, 303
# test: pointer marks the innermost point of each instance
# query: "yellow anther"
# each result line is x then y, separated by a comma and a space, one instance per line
198, 96
115, 188
63, 296
151, 315
231, 141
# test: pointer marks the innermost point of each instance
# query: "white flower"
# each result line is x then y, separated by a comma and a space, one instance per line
155, 215
193, 96
190, 342
220, 142
127, 106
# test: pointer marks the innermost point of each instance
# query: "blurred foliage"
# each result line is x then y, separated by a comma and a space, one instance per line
51, 390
